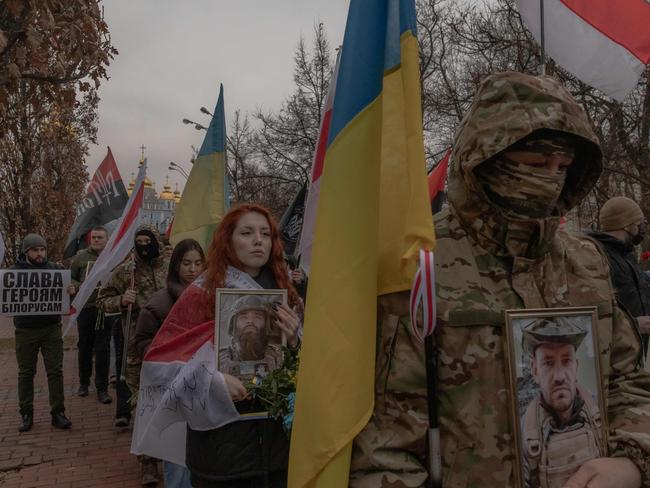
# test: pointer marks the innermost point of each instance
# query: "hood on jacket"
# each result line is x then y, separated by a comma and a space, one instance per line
508, 107
149, 230
151, 251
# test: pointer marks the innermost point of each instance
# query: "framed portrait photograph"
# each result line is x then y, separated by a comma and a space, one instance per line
248, 344
555, 393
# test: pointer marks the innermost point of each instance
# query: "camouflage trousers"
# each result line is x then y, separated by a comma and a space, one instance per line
390, 450
132, 378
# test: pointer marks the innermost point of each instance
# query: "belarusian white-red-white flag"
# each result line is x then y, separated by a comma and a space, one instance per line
182, 353
313, 192
116, 250
605, 43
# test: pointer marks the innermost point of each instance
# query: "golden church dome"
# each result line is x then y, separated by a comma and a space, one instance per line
167, 194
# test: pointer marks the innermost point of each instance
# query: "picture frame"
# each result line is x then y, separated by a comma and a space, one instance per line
555, 392
248, 344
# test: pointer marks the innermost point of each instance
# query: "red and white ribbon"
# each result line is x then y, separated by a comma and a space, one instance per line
424, 292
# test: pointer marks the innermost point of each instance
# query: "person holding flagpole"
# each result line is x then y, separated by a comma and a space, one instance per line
224, 449
524, 155
149, 271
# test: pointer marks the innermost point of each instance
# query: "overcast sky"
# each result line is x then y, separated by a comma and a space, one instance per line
172, 57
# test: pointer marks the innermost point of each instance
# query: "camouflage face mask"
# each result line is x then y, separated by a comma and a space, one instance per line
521, 190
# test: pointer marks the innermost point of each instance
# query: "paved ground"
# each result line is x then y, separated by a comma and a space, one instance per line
91, 453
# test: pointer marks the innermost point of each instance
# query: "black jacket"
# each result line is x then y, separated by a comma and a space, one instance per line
632, 285
34, 321
153, 314
245, 454
252, 453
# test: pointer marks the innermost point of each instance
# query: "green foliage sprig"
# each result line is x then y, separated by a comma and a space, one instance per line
273, 391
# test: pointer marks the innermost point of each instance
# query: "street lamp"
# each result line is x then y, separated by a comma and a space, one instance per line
175, 167
172, 168
197, 126
205, 111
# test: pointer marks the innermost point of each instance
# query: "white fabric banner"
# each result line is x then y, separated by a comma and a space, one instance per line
595, 58
165, 408
117, 249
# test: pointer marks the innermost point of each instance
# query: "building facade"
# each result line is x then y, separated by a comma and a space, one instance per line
158, 209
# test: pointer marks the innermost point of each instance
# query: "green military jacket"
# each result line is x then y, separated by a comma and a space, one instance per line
486, 262
149, 277
78, 271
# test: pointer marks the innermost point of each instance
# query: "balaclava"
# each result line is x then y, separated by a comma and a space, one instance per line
527, 191
149, 251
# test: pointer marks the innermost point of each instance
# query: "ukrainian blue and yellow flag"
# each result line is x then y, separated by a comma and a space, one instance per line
205, 196
373, 217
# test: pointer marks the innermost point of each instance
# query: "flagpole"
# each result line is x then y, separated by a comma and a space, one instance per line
541, 22
129, 315
433, 434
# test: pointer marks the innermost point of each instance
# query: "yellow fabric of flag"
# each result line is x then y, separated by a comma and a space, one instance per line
205, 197
373, 217
202, 205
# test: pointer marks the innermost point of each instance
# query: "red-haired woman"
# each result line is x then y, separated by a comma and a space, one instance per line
179, 381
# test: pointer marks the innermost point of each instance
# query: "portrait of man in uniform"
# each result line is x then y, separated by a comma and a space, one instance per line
248, 342
558, 405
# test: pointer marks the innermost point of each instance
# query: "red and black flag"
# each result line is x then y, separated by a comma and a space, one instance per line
103, 205
437, 179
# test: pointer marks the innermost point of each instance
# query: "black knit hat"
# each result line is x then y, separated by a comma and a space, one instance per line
33, 240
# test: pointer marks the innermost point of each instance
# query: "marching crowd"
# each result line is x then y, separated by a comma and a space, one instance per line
523, 157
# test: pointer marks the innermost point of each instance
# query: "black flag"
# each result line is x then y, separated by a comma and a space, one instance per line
291, 222
103, 204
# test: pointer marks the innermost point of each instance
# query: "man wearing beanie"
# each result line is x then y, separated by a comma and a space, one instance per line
34, 332
623, 226
149, 273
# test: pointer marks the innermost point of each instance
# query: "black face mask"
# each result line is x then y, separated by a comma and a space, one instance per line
639, 236
147, 251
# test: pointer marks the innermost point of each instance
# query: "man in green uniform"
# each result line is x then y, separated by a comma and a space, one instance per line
249, 326
561, 427
149, 273
94, 334
524, 155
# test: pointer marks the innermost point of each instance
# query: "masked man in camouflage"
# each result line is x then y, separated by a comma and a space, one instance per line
561, 426
149, 271
249, 327
524, 155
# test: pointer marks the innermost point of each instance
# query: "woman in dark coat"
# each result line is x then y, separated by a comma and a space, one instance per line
185, 265
196, 413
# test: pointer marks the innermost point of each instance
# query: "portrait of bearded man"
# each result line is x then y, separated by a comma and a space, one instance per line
251, 340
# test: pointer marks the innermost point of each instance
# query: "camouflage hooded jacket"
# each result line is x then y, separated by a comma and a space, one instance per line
487, 263
149, 278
